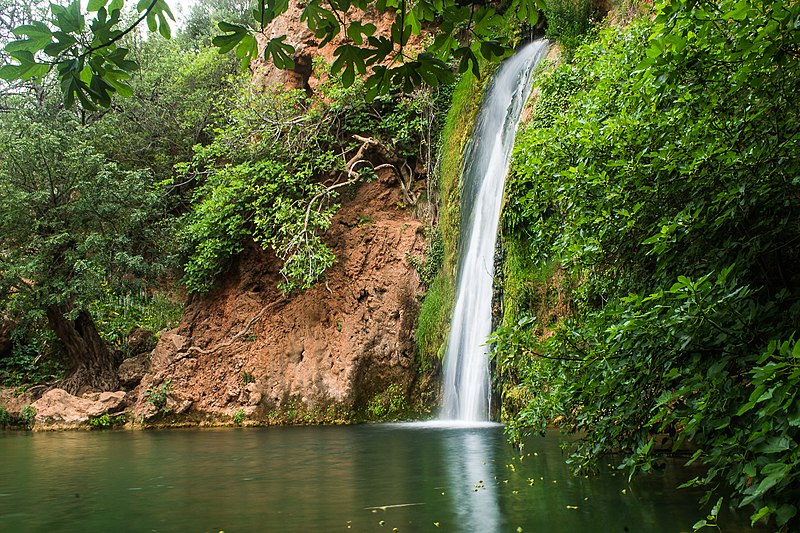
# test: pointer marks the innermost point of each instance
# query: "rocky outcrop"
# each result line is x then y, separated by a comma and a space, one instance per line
58, 409
132, 370
246, 346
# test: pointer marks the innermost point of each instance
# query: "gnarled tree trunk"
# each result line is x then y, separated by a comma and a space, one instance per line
92, 365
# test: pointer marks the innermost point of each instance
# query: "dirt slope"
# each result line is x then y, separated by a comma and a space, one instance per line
317, 354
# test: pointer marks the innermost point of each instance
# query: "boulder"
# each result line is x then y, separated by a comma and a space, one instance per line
58, 409
140, 340
132, 369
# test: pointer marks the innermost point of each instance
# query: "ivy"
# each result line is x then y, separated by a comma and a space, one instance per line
660, 175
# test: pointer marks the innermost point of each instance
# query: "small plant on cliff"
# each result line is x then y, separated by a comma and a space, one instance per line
105, 421
157, 396
247, 377
389, 404
238, 417
5, 417
431, 264
27, 415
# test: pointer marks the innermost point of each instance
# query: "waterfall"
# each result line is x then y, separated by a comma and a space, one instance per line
467, 389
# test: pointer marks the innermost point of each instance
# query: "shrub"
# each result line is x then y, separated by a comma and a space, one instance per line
570, 21
27, 415
157, 396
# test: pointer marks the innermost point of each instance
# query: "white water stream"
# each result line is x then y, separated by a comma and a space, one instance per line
467, 390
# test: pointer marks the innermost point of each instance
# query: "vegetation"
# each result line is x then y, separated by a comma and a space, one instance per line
87, 230
390, 404
157, 396
106, 421
569, 22
86, 48
27, 416
69, 221
271, 178
5, 417
655, 198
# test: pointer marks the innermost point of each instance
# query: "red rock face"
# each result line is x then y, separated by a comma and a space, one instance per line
245, 346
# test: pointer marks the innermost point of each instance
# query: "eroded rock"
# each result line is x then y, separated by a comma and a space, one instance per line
140, 340
247, 346
58, 409
132, 370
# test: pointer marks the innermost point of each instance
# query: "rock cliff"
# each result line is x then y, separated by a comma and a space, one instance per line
319, 355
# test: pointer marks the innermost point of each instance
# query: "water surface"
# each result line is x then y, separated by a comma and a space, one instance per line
356, 478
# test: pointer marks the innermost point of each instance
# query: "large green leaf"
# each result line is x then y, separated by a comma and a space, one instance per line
280, 52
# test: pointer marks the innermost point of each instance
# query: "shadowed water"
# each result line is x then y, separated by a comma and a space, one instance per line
486, 161
370, 478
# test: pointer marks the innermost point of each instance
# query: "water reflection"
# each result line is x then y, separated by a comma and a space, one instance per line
471, 473
363, 478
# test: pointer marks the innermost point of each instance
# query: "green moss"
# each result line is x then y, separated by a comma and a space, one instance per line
433, 319
530, 286
389, 404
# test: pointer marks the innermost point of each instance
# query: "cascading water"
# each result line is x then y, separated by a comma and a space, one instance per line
467, 390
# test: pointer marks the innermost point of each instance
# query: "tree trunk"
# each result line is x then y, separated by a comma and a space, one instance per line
92, 365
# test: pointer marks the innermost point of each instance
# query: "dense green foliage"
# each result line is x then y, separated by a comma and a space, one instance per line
657, 192
274, 170
569, 21
71, 221
68, 217
86, 49
178, 95
87, 236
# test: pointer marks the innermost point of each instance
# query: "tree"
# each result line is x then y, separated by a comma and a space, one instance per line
70, 223
204, 16
85, 52
178, 96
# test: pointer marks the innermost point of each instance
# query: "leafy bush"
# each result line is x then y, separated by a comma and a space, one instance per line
666, 190
27, 415
106, 421
157, 396
35, 356
570, 21
117, 313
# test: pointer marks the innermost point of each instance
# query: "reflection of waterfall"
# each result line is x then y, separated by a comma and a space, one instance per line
466, 386
471, 471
